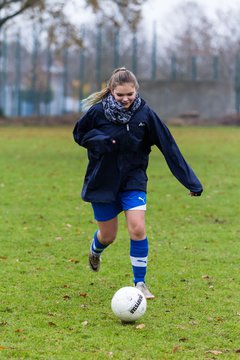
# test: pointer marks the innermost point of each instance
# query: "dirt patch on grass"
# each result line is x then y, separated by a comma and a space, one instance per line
56, 120
228, 120
70, 120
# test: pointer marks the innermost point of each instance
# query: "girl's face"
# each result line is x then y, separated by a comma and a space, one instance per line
125, 94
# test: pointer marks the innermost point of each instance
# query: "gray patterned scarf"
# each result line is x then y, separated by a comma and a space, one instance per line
116, 113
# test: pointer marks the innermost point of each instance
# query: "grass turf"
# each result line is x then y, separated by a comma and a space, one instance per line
53, 307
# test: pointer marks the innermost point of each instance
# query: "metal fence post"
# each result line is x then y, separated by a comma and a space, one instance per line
116, 47
173, 68
18, 75
194, 68
65, 79
49, 79
81, 69
154, 51
34, 99
134, 52
215, 68
4, 71
237, 83
99, 56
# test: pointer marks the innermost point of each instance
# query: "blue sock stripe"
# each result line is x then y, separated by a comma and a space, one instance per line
97, 243
96, 246
138, 256
139, 274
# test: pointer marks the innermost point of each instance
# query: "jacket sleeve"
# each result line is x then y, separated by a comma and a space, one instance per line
163, 139
86, 135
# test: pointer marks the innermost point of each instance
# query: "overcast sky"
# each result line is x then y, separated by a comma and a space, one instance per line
158, 9
153, 10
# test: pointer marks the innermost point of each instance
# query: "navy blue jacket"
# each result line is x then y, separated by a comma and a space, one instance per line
121, 165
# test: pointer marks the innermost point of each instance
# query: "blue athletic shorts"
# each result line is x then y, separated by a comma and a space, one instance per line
127, 200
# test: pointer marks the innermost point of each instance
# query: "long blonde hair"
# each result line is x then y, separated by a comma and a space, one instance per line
119, 76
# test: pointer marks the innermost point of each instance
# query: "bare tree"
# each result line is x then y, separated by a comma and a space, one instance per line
193, 33
118, 12
192, 30
228, 32
9, 9
193, 41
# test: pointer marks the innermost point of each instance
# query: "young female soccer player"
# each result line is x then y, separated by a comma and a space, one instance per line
118, 131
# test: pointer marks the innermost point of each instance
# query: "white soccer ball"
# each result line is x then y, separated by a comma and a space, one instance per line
129, 304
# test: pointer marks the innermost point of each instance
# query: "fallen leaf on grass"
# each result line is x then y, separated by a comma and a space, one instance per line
68, 225
51, 323
193, 322
51, 314
237, 351
110, 354
183, 339
214, 352
85, 323
140, 326
83, 294
176, 348
181, 327
205, 277
19, 331
3, 323
58, 238
219, 221
74, 261
66, 297
2, 348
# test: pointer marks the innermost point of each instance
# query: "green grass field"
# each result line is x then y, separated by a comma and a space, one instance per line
53, 307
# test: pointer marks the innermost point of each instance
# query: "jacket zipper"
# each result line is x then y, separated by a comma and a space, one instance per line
127, 127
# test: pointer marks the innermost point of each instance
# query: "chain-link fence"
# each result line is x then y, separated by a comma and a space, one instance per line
38, 79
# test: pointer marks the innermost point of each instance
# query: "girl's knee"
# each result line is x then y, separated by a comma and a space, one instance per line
137, 231
107, 231
106, 237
